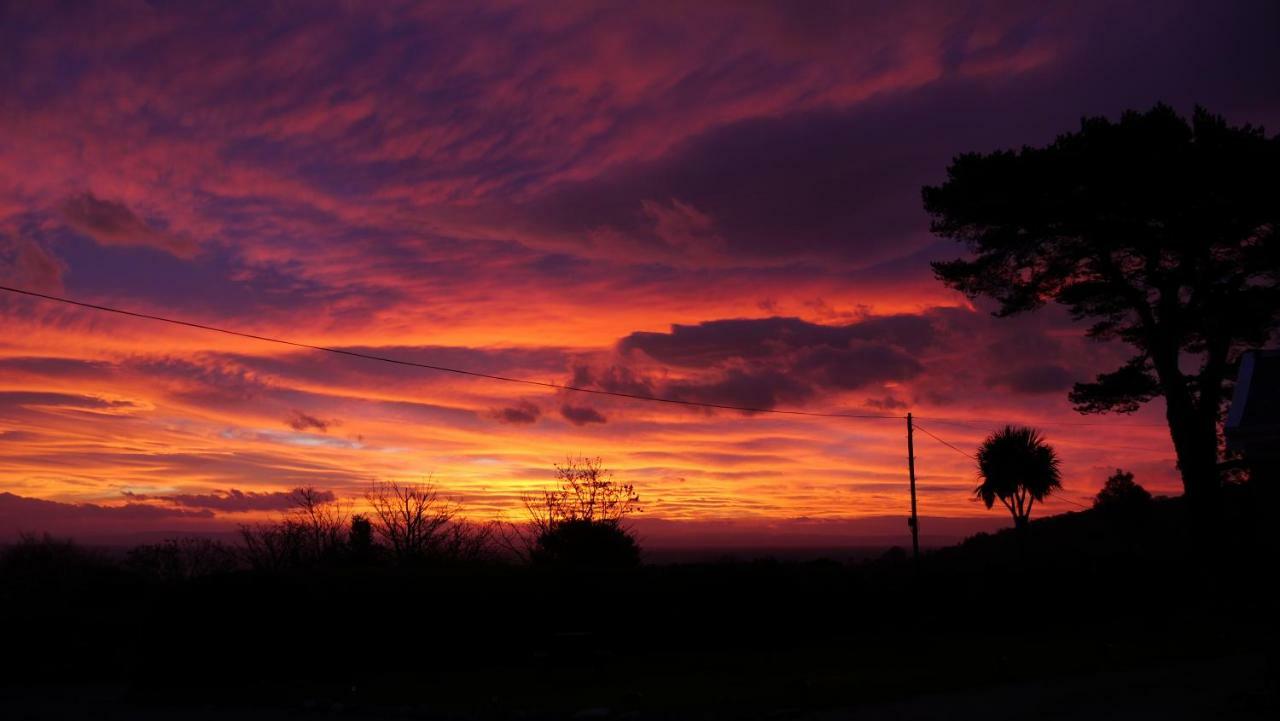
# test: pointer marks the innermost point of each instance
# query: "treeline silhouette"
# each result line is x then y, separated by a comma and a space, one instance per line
579, 522
407, 524
395, 613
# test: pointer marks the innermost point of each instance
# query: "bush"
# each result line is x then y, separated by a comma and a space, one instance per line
586, 544
580, 522
1121, 496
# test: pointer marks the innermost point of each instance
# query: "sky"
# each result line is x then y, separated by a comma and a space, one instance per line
715, 202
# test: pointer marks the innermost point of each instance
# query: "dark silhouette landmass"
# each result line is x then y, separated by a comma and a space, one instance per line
1086, 600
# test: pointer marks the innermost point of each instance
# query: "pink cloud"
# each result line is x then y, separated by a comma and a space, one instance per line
112, 223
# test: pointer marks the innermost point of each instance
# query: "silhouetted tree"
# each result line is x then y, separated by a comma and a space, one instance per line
580, 522
49, 558
276, 546
313, 530
1018, 468
585, 491
323, 520
1121, 495
411, 518
468, 541
182, 559
1160, 231
585, 544
360, 539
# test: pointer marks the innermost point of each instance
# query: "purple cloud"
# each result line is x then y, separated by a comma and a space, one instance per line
1035, 379
522, 413
300, 421
231, 501
21, 514
112, 223
581, 415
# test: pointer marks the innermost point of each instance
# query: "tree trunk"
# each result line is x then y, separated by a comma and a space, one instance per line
1195, 437
1195, 441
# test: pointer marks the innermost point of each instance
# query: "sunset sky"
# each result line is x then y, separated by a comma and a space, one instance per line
715, 202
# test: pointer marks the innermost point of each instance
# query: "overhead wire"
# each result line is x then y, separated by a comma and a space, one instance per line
929, 433
971, 422
440, 368
977, 422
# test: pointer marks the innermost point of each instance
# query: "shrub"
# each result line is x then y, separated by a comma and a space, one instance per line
1120, 495
580, 522
586, 544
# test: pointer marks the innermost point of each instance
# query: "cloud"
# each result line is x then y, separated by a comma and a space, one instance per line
858, 365
760, 363
832, 185
21, 513
612, 378
683, 228
886, 403
112, 223
233, 500
716, 341
581, 415
300, 421
331, 370
1035, 379
27, 264
70, 401
522, 413
762, 389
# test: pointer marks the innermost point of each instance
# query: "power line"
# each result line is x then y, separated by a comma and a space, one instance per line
443, 369
975, 422
1068, 500
924, 430
1090, 444
542, 384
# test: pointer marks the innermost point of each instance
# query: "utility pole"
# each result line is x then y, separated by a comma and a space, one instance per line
914, 521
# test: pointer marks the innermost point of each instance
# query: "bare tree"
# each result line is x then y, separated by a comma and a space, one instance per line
181, 559
313, 529
585, 492
412, 519
275, 546
323, 519
465, 540
581, 518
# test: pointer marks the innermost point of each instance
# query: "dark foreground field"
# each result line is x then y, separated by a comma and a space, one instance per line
1090, 617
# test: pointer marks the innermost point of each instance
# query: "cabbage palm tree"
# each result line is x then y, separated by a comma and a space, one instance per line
1018, 467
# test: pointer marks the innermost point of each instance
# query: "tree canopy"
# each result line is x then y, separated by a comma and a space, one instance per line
1158, 230
1121, 495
